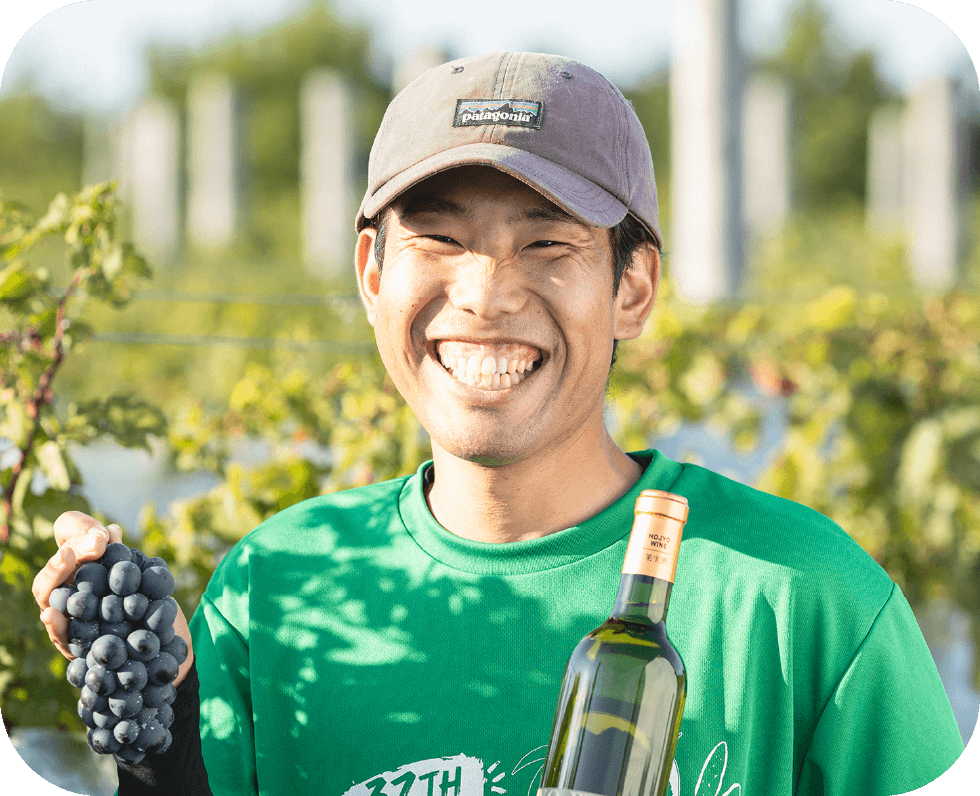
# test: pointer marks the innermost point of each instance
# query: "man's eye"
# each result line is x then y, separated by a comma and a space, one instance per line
545, 244
440, 238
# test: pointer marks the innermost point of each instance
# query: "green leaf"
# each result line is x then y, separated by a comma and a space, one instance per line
921, 456
16, 283
57, 217
51, 457
20, 491
704, 380
129, 420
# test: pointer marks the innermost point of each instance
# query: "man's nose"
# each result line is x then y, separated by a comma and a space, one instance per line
488, 288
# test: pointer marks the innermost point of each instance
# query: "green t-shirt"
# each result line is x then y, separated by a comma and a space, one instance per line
351, 645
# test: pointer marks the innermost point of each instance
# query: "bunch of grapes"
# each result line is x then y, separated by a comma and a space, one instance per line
121, 632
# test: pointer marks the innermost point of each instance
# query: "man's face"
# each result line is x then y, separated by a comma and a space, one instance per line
495, 315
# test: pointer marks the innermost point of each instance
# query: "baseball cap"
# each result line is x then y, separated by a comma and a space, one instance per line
551, 122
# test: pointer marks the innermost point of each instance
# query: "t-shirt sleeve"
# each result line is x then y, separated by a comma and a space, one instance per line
888, 728
227, 736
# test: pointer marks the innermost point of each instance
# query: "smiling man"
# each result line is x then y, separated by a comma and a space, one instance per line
408, 638
496, 318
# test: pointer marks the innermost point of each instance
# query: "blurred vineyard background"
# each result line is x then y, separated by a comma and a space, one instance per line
219, 368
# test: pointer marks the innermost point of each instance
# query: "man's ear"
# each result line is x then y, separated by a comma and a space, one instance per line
637, 292
368, 272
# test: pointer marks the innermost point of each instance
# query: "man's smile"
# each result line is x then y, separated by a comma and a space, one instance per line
488, 366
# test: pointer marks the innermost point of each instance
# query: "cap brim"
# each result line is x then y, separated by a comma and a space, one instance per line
577, 195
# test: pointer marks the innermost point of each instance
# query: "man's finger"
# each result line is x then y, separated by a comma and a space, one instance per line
73, 523
58, 569
75, 551
56, 623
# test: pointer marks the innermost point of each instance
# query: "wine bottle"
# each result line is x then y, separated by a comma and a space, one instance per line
622, 695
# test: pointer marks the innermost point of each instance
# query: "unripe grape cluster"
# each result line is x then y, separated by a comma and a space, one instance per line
121, 632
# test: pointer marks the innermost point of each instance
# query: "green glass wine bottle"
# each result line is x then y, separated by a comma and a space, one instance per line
622, 696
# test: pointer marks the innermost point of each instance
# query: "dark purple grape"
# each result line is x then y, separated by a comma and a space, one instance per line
166, 635
87, 716
139, 557
82, 605
126, 704
106, 719
143, 645
132, 676
165, 746
110, 651
103, 741
177, 647
165, 715
127, 730
146, 714
151, 737
111, 609
90, 660
59, 598
156, 561
158, 695
78, 650
82, 632
160, 614
121, 629
92, 700
162, 669
129, 755
76, 672
157, 582
114, 553
135, 606
101, 680
92, 577
124, 578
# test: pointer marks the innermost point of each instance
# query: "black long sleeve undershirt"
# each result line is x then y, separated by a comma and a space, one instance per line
180, 770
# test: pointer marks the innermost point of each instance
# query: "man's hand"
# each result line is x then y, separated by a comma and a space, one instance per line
83, 538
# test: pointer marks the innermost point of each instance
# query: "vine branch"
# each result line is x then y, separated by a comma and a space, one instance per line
42, 396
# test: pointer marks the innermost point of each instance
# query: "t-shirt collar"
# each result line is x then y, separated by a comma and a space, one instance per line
532, 555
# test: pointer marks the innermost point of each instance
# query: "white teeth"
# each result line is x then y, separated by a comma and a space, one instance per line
485, 366
489, 381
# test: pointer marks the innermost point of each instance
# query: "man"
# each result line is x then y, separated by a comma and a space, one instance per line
408, 638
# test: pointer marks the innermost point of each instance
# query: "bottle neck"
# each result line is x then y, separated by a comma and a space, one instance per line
642, 598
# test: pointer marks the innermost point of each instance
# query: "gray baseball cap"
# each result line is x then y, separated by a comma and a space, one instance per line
549, 121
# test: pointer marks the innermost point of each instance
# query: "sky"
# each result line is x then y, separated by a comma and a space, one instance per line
88, 54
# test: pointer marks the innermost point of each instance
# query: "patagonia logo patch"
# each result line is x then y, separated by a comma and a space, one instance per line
515, 113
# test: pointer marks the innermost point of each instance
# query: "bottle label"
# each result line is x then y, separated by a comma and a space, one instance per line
653, 545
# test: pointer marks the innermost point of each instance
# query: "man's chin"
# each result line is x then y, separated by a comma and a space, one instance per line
482, 452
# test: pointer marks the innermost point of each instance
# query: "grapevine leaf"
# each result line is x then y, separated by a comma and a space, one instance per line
51, 457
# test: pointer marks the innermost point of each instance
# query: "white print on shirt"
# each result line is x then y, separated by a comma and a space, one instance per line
439, 776
712, 776
462, 775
